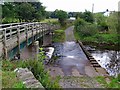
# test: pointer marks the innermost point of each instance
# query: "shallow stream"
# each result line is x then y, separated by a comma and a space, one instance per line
108, 59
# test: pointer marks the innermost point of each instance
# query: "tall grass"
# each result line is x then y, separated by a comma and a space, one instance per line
37, 68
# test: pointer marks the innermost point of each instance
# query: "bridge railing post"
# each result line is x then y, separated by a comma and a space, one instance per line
11, 31
39, 30
4, 44
36, 45
32, 32
26, 32
18, 41
36, 28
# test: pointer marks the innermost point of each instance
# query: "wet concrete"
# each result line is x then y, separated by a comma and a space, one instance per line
72, 58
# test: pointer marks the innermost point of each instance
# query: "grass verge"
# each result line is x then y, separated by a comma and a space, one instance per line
113, 83
59, 36
9, 80
37, 68
98, 38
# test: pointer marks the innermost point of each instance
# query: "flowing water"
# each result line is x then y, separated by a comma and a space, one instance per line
70, 56
108, 59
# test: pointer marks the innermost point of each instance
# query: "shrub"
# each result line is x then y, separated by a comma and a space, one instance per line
85, 28
88, 30
79, 23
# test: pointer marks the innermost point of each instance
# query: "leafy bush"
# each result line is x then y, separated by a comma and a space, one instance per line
88, 30
84, 28
41, 74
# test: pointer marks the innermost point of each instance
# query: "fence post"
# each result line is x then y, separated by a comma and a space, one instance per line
4, 44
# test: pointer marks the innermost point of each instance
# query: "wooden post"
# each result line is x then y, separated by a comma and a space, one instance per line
18, 41
4, 44
11, 31
41, 33
32, 33
39, 30
27, 27
36, 45
36, 27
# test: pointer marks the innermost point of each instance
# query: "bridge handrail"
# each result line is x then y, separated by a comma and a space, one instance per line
13, 29
15, 33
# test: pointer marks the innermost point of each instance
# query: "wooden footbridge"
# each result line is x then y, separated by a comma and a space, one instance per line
15, 34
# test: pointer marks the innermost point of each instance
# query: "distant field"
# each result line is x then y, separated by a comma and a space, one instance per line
50, 20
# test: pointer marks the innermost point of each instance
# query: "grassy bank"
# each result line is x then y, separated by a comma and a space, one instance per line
107, 39
36, 66
9, 80
111, 83
92, 33
50, 20
59, 36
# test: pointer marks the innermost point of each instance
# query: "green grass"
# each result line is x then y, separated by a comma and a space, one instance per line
50, 20
98, 38
36, 66
9, 80
59, 36
102, 81
114, 82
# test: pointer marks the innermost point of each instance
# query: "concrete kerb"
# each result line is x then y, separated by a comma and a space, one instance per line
99, 69
28, 79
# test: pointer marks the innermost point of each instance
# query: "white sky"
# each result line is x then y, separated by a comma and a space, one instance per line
81, 5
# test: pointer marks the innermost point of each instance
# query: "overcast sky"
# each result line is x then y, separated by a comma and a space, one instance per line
81, 5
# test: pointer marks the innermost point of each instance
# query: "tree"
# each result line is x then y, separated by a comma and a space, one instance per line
79, 15
113, 22
101, 21
88, 16
62, 16
40, 12
8, 12
25, 11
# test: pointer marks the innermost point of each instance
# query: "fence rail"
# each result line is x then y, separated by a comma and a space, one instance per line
12, 35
